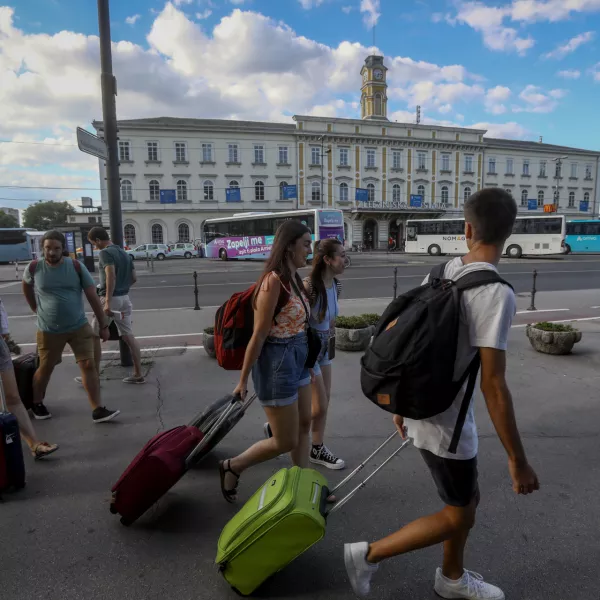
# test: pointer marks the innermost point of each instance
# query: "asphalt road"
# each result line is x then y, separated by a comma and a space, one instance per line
217, 282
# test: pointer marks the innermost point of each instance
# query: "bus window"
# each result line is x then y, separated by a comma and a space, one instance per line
591, 228
411, 233
10, 237
264, 227
237, 229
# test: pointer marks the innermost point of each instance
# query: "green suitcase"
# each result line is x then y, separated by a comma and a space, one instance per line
284, 518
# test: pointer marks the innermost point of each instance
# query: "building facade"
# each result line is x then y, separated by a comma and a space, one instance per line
13, 212
176, 173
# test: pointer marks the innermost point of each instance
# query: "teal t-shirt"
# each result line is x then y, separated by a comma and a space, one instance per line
58, 293
115, 255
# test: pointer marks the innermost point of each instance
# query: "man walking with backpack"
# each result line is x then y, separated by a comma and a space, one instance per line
467, 292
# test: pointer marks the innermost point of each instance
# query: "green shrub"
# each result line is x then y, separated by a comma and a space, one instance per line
351, 322
371, 318
560, 327
209, 330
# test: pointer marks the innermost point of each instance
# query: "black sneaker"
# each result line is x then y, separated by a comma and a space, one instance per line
40, 412
102, 414
267, 431
321, 455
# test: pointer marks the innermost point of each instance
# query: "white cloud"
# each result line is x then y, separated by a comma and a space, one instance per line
569, 74
371, 12
181, 2
133, 19
571, 45
306, 4
595, 72
510, 130
530, 11
445, 108
204, 14
347, 9
536, 101
494, 99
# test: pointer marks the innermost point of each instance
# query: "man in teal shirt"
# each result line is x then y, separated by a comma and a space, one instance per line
52, 288
117, 275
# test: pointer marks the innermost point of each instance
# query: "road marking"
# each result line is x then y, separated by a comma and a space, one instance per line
152, 349
563, 321
594, 306
524, 312
137, 337
5, 285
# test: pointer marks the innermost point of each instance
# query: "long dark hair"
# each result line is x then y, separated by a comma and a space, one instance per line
287, 233
323, 248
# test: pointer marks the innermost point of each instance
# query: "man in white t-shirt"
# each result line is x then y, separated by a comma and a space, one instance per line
486, 317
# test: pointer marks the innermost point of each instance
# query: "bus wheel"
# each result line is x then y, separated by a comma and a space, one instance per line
568, 249
514, 251
434, 250
223, 254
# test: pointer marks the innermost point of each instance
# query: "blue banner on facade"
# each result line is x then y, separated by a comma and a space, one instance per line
416, 200
290, 192
233, 195
70, 239
584, 206
362, 195
532, 204
168, 197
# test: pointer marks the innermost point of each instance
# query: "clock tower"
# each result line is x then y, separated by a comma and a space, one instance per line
373, 102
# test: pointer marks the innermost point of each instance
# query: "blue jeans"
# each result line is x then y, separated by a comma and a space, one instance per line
280, 371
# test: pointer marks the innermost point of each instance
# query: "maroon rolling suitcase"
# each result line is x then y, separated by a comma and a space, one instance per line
164, 460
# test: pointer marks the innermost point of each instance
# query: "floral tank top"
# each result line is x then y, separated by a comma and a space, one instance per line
291, 319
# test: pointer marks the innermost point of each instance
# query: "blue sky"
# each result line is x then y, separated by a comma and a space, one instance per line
520, 68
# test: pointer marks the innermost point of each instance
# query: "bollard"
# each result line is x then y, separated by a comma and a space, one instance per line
533, 291
16, 270
147, 260
152, 263
395, 282
196, 305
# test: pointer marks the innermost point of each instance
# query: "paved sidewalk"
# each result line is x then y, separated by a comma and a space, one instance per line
61, 543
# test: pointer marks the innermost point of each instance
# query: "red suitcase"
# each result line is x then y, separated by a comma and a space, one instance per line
154, 471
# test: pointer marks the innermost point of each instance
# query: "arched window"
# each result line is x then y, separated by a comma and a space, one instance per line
445, 194
282, 185
183, 233
571, 199
259, 191
524, 198
371, 192
421, 192
344, 197
509, 192
126, 191
396, 193
129, 234
315, 189
541, 198
378, 105
209, 190
157, 233
182, 195
154, 190
466, 193
586, 197
234, 184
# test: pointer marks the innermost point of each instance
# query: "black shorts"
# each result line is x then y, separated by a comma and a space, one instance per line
456, 480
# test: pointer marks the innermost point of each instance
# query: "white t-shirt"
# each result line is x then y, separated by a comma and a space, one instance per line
485, 320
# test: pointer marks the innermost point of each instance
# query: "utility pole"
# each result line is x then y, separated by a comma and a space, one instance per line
322, 161
109, 121
557, 176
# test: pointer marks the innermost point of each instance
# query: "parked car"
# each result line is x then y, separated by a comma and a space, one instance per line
183, 250
157, 251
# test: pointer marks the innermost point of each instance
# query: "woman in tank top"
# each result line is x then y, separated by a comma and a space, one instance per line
276, 357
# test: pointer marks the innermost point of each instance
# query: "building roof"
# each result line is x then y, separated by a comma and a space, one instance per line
535, 146
186, 123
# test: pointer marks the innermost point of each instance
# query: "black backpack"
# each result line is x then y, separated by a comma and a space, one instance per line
409, 368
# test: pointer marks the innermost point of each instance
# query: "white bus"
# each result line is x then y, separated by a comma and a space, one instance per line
251, 235
531, 236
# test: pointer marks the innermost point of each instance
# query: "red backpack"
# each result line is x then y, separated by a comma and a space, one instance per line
234, 325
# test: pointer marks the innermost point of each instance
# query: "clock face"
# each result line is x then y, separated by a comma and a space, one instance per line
378, 74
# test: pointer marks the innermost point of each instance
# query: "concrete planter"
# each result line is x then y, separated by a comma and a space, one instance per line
353, 340
552, 342
209, 344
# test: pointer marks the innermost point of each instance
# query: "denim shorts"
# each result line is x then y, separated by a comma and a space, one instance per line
280, 371
5, 358
323, 359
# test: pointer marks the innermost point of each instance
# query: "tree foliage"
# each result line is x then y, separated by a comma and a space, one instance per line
46, 215
8, 220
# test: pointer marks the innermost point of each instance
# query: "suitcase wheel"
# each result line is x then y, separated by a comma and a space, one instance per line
113, 510
126, 522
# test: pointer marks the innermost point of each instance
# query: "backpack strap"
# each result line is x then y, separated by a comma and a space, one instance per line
32, 269
338, 287
478, 279
471, 373
437, 272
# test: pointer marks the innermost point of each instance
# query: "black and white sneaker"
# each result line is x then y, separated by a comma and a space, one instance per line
321, 455
40, 412
267, 431
102, 414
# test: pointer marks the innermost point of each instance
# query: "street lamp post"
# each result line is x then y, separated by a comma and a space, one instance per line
323, 154
557, 175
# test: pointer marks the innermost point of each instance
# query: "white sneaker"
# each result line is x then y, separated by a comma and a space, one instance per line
470, 586
359, 570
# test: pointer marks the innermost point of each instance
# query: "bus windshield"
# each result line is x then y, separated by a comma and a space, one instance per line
16, 245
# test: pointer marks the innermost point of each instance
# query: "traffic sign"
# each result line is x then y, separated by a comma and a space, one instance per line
91, 144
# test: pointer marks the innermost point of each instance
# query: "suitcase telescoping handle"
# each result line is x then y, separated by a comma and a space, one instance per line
214, 430
360, 467
3, 407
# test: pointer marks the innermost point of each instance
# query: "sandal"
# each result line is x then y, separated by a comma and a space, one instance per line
43, 449
229, 495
